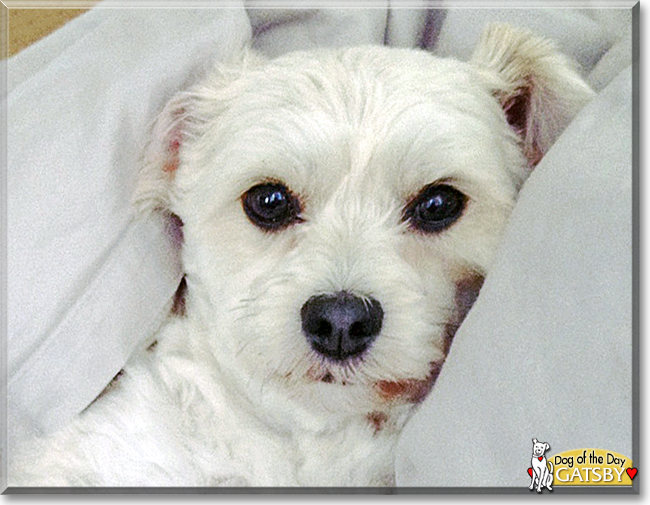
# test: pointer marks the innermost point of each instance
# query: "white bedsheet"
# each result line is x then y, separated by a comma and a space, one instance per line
88, 284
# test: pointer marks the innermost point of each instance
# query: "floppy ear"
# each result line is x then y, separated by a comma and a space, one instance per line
162, 155
540, 91
182, 119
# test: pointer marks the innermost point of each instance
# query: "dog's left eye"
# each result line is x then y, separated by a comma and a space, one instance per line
271, 206
435, 208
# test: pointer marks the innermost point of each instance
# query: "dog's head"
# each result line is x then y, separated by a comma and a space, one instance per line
539, 448
341, 207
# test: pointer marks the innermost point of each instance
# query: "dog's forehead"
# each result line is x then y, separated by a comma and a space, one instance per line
401, 118
369, 91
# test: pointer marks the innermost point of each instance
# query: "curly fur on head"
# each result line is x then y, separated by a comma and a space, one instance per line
339, 211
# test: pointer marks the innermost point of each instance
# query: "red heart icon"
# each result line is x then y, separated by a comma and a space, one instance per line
530, 472
541, 458
631, 472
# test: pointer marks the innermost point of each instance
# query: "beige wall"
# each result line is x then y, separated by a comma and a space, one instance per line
26, 26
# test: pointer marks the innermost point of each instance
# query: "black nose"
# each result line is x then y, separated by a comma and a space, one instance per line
341, 325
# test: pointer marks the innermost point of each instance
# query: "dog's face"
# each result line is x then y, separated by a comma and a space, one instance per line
539, 448
340, 210
337, 206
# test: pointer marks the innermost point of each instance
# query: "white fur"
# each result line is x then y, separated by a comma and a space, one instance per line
233, 394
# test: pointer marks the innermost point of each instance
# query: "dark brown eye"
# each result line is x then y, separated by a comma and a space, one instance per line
435, 208
271, 206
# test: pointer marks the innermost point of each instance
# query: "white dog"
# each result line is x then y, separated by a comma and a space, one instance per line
339, 211
541, 476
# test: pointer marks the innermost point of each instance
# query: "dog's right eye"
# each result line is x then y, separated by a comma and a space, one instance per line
271, 206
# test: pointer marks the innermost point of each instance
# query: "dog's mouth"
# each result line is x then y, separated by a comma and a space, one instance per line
390, 391
336, 372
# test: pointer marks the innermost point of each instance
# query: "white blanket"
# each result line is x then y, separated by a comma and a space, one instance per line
546, 352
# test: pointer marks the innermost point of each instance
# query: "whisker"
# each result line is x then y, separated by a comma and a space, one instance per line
241, 349
246, 316
243, 303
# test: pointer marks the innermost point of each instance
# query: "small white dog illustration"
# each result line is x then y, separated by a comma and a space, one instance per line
542, 476
339, 211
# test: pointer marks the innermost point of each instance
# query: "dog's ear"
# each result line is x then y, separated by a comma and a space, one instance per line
183, 118
534, 440
547, 446
162, 155
538, 88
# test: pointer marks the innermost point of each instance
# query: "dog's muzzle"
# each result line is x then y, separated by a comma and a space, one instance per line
341, 325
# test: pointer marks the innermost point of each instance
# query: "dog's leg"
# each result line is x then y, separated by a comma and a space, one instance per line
537, 476
540, 480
